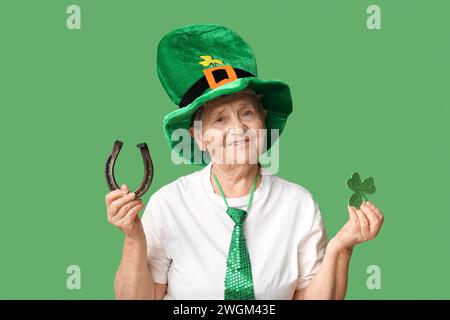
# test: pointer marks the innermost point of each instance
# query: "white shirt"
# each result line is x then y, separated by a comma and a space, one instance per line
188, 235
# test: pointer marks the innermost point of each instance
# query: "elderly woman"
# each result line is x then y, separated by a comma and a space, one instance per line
232, 230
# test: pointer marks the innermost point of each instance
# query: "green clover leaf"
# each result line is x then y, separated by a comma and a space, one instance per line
360, 189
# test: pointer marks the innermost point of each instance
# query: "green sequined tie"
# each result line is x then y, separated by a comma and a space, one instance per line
238, 278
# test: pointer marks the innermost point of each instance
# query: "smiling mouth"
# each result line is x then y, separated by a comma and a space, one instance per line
239, 142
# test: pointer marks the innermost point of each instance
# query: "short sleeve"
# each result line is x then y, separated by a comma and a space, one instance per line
158, 257
311, 249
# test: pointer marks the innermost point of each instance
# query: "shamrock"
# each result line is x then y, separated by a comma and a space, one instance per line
208, 60
360, 189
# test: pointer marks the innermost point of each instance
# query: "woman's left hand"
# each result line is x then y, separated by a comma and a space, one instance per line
363, 225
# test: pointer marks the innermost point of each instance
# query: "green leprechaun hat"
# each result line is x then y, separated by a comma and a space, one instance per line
200, 62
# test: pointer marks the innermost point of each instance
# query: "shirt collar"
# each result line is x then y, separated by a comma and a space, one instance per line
239, 202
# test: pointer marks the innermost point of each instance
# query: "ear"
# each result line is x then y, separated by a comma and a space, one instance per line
198, 138
265, 115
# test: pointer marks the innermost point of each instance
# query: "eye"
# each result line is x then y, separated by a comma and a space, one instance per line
248, 113
219, 119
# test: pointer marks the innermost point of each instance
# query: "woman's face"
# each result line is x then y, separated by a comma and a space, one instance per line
231, 129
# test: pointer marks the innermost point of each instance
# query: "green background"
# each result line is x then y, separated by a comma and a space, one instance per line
375, 101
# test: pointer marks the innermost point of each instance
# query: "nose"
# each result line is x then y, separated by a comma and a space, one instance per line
236, 124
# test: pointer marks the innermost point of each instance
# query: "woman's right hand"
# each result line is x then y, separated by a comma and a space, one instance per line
123, 212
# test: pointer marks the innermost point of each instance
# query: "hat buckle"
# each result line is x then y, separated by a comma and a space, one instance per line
224, 74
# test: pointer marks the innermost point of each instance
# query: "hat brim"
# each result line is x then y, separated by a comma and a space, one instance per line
276, 100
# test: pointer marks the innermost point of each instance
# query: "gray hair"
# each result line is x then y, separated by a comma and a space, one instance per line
260, 107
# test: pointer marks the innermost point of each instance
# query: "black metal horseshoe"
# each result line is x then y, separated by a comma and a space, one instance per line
148, 167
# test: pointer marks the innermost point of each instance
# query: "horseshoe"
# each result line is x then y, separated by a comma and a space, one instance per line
148, 167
